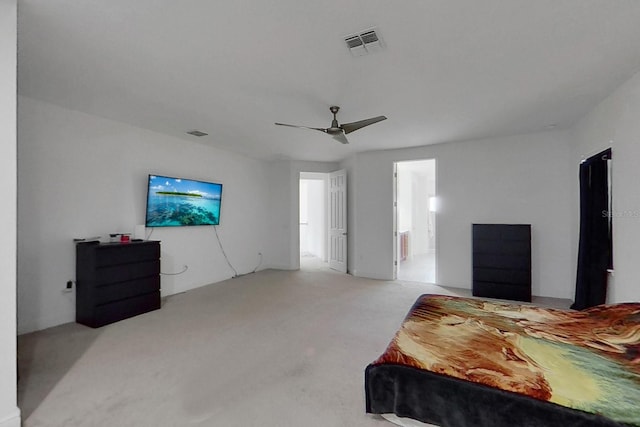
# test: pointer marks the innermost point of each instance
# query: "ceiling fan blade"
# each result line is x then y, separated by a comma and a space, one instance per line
341, 138
302, 127
350, 127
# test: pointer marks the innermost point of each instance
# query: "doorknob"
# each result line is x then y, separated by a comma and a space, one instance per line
344, 234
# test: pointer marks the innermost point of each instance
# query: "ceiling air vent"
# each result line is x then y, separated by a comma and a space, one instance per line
356, 46
369, 37
197, 133
364, 42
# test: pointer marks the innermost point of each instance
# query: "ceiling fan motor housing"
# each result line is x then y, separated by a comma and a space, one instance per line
335, 127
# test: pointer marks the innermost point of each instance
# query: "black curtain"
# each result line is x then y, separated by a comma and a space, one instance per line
595, 248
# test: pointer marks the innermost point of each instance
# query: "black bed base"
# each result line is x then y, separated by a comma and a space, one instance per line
450, 402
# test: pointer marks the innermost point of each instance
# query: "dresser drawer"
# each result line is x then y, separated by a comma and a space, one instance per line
123, 290
120, 253
119, 310
126, 272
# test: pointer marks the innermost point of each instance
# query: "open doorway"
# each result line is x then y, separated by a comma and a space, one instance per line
313, 220
416, 204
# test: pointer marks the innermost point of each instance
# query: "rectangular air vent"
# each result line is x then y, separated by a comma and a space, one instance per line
354, 42
356, 46
369, 37
363, 42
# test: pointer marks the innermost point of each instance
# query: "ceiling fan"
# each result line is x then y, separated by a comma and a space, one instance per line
338, 131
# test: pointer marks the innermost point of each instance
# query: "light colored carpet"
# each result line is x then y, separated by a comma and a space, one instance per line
275, 348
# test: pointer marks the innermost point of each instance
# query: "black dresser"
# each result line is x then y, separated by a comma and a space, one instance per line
502, 261
116, 281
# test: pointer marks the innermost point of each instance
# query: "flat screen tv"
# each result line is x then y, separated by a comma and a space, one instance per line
176, 202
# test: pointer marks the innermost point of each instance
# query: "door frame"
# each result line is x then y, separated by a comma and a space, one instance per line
324, 177
396, 237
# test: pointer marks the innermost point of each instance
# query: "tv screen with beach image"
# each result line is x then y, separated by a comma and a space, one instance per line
175, 202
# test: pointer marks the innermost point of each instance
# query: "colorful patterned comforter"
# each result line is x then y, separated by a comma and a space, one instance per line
586, 360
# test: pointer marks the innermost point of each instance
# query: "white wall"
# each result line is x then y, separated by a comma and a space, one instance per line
9, 412
80, 175
431, 216
518, 179
304, 220
404, 197
420, 214
614, 123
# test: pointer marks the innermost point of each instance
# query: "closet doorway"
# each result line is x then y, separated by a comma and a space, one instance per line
313, 220
415, 220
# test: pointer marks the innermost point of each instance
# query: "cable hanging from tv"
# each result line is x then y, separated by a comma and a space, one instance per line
235, 272
184, 269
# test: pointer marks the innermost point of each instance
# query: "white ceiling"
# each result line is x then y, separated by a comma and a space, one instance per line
451, 69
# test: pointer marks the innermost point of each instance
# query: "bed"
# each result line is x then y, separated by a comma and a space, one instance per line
458, 362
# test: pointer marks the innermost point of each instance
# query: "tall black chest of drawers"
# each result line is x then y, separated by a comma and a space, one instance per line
502, 261
116, 281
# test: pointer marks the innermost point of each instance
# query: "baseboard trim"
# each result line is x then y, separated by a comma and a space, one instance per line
12, 419
280, 267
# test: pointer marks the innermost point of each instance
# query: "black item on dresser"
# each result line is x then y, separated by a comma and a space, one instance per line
502, 261
116, 281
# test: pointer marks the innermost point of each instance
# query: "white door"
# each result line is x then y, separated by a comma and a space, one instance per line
338, 220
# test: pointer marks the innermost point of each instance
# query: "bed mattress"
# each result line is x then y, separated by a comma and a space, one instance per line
469, 362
